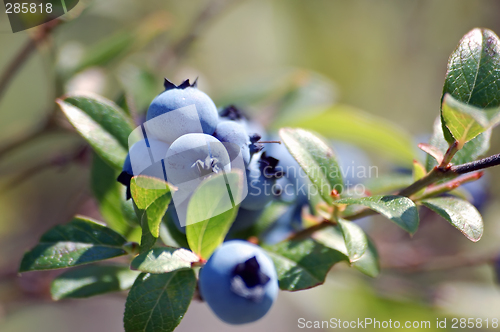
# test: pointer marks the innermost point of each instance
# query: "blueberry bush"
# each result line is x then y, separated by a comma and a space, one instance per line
279, 235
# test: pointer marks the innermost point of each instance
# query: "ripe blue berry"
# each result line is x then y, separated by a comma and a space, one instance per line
191, 159
239, 282
261, 177
294, 186
194, 157
254, 130
144, 158
232, 132
168, 128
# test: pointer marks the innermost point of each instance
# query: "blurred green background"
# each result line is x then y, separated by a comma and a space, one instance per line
277, 59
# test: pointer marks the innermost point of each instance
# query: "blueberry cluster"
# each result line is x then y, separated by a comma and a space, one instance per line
239, 281
197, 142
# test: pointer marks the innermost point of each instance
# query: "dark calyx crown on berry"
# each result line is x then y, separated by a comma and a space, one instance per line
233, 113
251, 273
268, 167
125, 178
169, 85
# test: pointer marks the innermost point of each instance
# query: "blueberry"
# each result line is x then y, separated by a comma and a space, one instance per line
261, 178
239, 282
295, 183
232, 132
144, 158
194, 157
203, 119
254, 130
191, 159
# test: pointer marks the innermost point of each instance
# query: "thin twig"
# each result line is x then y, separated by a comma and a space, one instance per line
57, 161
24, 53
477, 165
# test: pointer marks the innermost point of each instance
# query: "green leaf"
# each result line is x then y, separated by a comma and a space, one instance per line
472, 76
211, 212
472, 150
302, 264
158, 302
163, 260
110, 196
102, 123
355, 239
81, 241
92, 280
349, 124
368, 264
461, 214
316, 159
401, 210
466, 122
151, 197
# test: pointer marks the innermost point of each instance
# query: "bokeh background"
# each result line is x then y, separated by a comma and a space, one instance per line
281, 60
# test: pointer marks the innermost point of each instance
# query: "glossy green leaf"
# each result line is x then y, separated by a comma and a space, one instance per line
401, 210
472, 150
472, 76
163, 260
316, 158
466, 122
151, 197
92, 280
81, 241
102, 123
211, 212
349, 124
110, 195
158, 302
461, 214
368, 264
355, 239
302, 264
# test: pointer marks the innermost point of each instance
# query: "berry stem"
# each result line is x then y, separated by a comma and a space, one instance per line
279, 142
